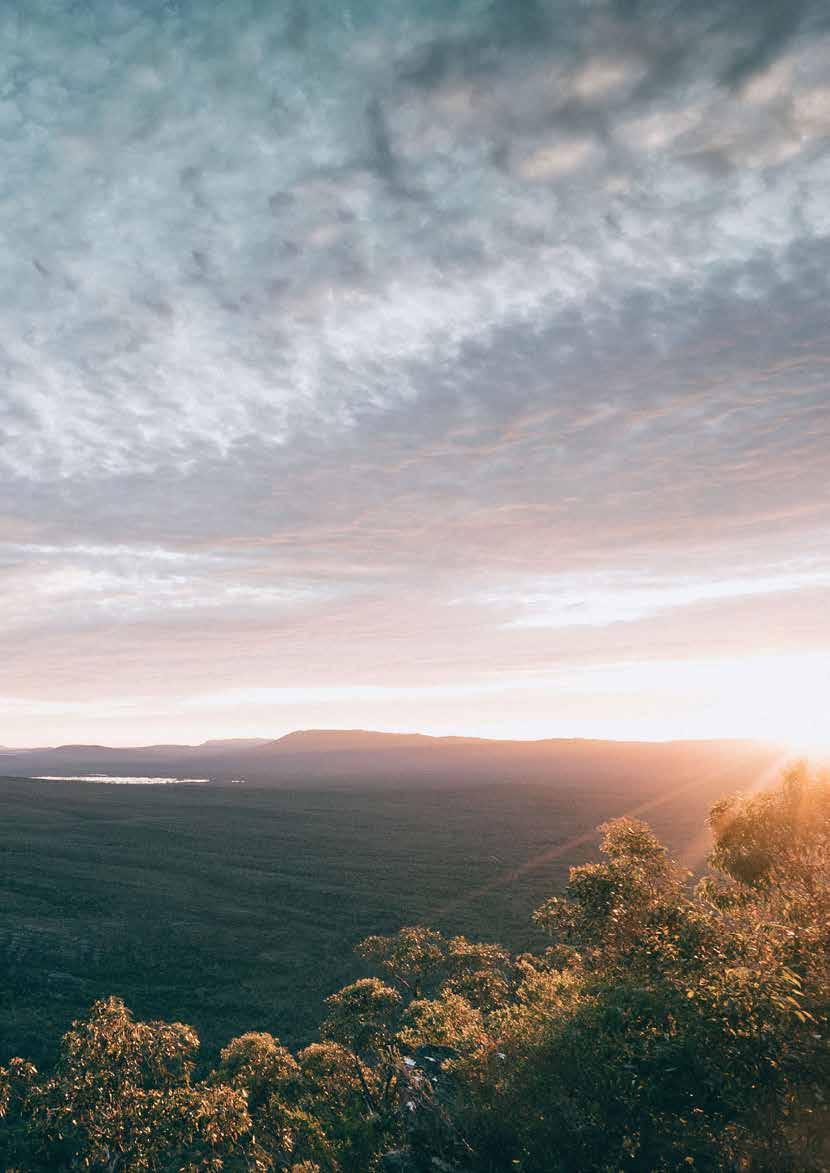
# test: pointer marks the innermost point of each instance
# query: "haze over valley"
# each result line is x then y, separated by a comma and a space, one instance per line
347, 757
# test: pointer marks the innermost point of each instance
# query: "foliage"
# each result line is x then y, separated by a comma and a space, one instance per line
237, 908
665, 1027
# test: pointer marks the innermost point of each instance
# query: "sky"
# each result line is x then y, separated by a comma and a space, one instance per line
460, 367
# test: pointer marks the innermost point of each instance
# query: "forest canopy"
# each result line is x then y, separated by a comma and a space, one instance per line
668, 1025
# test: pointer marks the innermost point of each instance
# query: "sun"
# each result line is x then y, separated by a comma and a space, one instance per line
787, 699
807, 746
782, 698
814, 747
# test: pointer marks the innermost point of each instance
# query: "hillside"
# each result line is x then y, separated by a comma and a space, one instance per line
357, 757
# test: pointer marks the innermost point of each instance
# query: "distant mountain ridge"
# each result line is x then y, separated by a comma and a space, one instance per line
360, 758
329, 740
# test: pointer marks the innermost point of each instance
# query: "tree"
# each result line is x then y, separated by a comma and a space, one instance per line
121, 1098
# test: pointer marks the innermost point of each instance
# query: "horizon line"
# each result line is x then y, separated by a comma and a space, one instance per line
265, 740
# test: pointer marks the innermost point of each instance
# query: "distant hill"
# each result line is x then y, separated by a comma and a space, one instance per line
327, 757
339, 740
234, 743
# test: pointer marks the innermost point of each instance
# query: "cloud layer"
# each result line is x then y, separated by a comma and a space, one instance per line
317, 318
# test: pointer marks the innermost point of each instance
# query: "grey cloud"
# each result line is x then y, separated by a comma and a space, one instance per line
370, 303
233, 249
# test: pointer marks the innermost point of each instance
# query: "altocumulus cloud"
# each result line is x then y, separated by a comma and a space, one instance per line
337, 308
615, 597
249, 222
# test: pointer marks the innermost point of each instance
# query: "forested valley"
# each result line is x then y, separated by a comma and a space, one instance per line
666, 1025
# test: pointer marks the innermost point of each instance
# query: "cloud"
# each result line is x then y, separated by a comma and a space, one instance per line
598, 600
53, 587
235, 240
311, 319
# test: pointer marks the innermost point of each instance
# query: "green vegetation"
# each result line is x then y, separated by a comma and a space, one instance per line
234, 908
665, 1026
